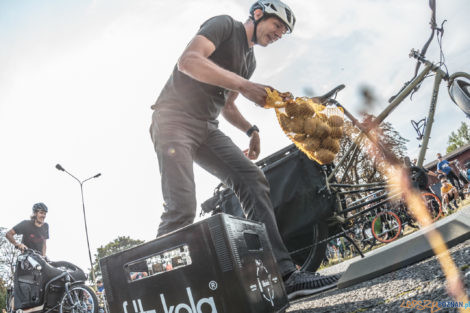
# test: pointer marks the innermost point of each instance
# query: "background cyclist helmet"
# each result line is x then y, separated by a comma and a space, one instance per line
273, 8
39, 207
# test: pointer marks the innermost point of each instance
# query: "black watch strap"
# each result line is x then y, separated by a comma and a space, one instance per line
251, 130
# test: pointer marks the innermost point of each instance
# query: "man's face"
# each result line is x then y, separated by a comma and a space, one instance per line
269, 30
40, 216
439, 156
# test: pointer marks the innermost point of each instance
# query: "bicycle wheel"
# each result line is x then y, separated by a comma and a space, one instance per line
82, 299
307, 250
433, 204
386, 226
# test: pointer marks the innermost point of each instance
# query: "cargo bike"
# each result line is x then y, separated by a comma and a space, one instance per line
312, 205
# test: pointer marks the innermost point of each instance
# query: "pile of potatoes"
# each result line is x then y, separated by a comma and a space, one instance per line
314, 128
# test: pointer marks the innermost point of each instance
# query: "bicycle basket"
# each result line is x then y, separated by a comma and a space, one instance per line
314, 128
459, 92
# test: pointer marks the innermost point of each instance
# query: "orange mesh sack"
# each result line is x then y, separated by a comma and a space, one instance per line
314, 128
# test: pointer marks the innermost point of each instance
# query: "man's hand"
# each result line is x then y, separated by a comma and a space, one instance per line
21, 247
252, 152
255, 92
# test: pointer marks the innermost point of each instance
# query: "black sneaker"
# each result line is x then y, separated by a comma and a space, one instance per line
306, 283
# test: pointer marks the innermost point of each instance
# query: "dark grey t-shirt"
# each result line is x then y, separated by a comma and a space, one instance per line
34, 237
203, 101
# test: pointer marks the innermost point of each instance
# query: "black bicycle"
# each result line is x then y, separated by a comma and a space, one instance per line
42, 286
311, 200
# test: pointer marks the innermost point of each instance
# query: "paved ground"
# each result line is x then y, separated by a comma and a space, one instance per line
421, 281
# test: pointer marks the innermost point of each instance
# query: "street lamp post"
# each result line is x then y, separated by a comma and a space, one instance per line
60, 168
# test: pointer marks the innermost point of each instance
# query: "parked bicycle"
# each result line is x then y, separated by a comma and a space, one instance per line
309, 217
41, 286
389, 224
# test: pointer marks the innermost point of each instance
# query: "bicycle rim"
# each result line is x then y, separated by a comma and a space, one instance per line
82, 300
433, 204
386, 226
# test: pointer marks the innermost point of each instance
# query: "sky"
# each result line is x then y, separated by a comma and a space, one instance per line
78, 78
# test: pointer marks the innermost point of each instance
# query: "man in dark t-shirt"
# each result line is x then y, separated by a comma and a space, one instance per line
213, 70
35, 231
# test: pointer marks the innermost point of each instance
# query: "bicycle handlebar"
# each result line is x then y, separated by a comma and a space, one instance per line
432, 5
34, 263
424, 49
27, 256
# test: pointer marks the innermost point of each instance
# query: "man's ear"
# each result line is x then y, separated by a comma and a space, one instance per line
258, 13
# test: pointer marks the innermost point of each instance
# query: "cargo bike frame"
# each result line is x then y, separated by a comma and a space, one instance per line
334, 217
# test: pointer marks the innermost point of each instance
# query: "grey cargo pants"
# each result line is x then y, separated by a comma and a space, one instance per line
179, 140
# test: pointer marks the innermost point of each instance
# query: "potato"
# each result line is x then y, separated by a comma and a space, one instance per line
336, 132
335, 121
284, 120
324, 156
310, 125
292, 109
311, 143
322, 130
330, 144
296, 124
299, 137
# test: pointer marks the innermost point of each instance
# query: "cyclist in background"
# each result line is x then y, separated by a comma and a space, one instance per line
443, 167
448, 193
35, 231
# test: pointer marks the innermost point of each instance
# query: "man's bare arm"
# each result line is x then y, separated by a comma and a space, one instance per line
195, 63
231, 113
10, 236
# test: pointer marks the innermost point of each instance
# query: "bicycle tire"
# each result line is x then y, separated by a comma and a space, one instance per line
392, 224
433, 204
82, 294
310, 258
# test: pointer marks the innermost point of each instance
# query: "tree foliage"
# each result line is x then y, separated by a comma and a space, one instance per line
8, 255
366, 167
3, 295
119, 244
460, 138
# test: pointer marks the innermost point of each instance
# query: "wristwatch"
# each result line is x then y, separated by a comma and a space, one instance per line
251, 130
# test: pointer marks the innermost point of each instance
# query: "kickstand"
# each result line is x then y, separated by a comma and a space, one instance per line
345, 235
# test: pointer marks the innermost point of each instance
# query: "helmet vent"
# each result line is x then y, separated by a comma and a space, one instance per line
288, 15
272, 6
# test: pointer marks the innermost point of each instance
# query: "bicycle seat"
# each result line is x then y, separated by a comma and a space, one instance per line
459, 92
330, 94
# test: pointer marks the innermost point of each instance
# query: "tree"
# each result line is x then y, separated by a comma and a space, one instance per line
366, 167
459, 139
119, 244
3, 295
8, 255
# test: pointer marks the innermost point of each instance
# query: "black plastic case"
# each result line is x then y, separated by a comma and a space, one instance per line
222, 264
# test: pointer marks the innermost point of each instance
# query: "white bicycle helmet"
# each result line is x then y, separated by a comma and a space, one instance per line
459, 92
273, 8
